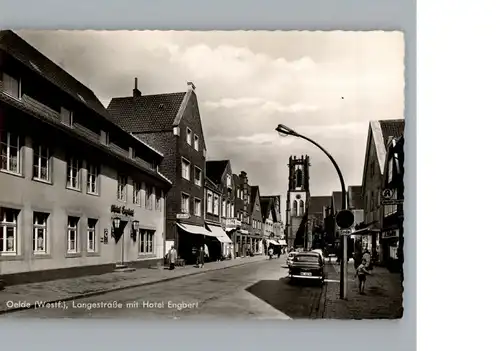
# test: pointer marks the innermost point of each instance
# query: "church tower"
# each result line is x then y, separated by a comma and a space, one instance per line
297, 198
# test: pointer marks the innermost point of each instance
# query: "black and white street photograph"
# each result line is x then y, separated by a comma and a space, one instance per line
202, 175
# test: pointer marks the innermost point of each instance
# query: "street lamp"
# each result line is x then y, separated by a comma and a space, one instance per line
285, 131
116, 224
135, 228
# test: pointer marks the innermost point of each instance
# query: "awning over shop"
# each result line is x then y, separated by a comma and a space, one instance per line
243, 231
273, 242
365, 231
195, 229
219, 232
282, 242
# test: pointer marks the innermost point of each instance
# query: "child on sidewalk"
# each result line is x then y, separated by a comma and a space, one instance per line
361, 273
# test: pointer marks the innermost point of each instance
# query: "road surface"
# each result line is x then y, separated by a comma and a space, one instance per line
259, 290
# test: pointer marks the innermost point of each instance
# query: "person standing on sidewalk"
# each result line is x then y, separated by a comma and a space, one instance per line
270, 252
201, 259
172, 257
361, 272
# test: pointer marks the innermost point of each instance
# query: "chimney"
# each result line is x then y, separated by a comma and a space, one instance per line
136, 92
191, 86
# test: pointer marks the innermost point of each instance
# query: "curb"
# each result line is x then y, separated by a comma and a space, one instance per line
102, 292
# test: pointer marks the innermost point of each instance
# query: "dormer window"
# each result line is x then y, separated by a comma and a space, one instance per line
11, 86
189, 136
228, 181
66, 116
196, 143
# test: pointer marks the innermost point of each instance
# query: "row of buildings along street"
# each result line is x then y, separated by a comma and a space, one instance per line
87, 189
377, 204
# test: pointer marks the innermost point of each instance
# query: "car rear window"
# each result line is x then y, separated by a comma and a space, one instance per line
306, 258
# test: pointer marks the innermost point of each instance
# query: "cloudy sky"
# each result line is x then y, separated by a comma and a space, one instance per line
326, 85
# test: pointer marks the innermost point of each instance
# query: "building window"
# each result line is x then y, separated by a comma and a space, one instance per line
41, 159
91, 237
295, 208
66, 116
186, 169
146, 241
197, 176
149, 197
73, 173
121, 193
184, 203
223, 208
11, 86
210, 204
197, 207
40, 232
73, 234
10, 155
92, 173
189, 135
136, 195
229, 178
8, 230
216, 205
196, 143
301, 208
231, 215
158, 200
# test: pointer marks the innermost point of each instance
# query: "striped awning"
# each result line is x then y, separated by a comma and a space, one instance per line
282, 242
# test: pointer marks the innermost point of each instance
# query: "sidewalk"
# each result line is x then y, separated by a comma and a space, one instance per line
383, 299
24, 296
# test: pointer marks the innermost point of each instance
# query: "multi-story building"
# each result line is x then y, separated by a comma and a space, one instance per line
78, 194
256, 231
220, 174
392, 253
171, 123
272, 225
241, 234
379, 135
219, 244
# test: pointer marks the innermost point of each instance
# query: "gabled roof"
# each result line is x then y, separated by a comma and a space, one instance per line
254, 191
215, 170
381, 131
42, 65
146, 113
356, 197
316, 203
265, 206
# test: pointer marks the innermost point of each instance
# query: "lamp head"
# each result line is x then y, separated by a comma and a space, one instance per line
135, 225
116, 222
284, 130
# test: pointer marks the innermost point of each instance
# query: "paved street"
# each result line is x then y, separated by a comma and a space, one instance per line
257, 290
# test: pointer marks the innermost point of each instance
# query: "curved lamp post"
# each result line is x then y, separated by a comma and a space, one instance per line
285, 131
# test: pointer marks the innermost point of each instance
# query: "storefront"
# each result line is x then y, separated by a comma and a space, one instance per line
192, 237
390, 245
225, 243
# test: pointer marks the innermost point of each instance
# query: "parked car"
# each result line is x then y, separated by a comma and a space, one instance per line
307, 265
290, 257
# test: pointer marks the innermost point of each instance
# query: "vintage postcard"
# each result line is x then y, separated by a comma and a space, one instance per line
201, 175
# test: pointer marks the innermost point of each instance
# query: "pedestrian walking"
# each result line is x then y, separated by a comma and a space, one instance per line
279, 252
270, 253
361, 273
172, 257
201, 259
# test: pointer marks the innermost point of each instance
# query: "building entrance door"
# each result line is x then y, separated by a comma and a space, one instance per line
120, 238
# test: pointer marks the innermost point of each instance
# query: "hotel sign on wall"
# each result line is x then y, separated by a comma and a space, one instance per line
122, 210
232, 223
